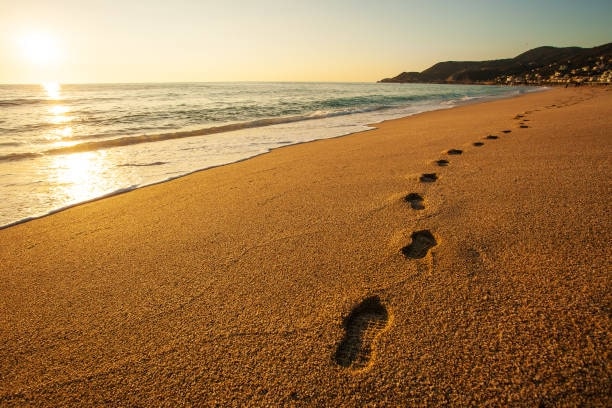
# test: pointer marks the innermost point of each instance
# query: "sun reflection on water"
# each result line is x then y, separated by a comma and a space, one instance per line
80, 176
52, 89
59, 110
58, 115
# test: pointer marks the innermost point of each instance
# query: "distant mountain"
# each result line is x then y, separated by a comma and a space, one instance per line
539, 65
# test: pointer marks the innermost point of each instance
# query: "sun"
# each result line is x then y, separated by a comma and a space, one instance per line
40, 48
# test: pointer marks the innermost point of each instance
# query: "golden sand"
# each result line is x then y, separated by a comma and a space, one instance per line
303, 277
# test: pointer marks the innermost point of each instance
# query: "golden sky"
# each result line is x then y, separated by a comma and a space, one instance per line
92, 41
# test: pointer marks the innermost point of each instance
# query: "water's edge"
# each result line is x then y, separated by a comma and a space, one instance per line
369, 126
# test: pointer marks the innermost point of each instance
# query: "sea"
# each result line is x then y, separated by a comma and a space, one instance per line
62, 144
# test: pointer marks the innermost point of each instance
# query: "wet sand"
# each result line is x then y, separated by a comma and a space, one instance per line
308, 277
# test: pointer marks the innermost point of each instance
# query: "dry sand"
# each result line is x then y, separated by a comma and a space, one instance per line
289, 279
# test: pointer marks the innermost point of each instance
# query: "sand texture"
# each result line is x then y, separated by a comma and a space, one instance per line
310, 276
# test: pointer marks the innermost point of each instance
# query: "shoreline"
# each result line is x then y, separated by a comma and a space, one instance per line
214, 130
305, 276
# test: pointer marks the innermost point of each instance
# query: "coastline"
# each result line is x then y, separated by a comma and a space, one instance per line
230, 285
338, 128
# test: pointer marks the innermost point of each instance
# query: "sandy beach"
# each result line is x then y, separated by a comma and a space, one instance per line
304, 277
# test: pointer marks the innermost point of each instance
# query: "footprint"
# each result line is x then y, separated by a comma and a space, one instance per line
442, 162
492, 137
478, 144
362, 327
428, 177
415, 200
454, 151
422, 241
506, 131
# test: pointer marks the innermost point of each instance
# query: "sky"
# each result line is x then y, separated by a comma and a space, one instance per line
98, 41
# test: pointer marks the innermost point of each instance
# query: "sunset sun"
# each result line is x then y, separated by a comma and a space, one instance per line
40, 48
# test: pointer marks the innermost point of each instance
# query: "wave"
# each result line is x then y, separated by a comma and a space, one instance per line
159, 163
10, 144
46, 101
20, 102
103, 128
32, 127
19, 156
149, 138
379, 100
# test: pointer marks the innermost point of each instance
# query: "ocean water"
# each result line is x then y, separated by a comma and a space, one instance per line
61, 145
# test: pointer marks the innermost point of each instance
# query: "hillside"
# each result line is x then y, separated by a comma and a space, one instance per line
539, 65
